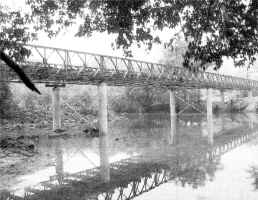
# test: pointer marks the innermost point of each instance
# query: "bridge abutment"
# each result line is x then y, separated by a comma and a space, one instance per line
103, 132
56, 110
209, 102
172, 103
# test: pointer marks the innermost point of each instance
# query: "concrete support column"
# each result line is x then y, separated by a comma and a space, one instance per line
173, 131
209, 116
56, 109
251, 124
59, 161
104, 158
250, 95
223, 122
210, 129
172, 103
251, 119
209, 102
103, 133
222, 96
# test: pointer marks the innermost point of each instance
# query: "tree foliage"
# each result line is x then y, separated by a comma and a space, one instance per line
213, 28
6, 101
173, 56
14, 32
13, 35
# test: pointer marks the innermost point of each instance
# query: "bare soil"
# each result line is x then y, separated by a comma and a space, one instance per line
18, 157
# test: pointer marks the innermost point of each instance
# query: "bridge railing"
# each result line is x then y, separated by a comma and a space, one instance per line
47, 64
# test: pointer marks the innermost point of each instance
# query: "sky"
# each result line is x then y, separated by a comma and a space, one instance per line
99, 43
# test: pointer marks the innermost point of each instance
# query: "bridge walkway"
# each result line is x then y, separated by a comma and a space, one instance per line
62, 66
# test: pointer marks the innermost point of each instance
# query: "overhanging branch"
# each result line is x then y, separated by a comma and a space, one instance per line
19, 71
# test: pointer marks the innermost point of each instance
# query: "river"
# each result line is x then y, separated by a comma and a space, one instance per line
151, 157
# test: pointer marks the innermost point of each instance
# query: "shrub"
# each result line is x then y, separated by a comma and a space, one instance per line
8, 109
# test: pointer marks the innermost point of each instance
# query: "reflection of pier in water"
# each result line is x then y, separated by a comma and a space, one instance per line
134, 176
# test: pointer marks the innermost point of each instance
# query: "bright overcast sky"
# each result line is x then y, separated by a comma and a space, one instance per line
99, 43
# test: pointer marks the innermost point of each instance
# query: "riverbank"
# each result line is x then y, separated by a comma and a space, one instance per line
19, 157
28, 154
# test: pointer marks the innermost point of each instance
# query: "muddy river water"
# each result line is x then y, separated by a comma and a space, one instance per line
150, 157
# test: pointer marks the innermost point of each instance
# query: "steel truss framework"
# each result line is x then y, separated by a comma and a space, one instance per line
139, 185
61, 66
189, 104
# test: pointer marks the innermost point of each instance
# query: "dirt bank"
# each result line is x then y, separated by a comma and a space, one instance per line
18, 157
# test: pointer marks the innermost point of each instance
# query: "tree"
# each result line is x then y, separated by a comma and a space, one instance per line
5, 100
12, 36
173, 56
213, 28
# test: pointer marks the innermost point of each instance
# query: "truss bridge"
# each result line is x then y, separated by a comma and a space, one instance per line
62, 66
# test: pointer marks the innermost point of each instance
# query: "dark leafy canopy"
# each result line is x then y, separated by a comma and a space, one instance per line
213, 28
14, 33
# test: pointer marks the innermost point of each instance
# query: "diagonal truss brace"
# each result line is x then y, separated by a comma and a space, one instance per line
189, 105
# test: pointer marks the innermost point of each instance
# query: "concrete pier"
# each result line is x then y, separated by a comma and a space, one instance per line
172, 103
252, 119
222, 96
210, 129
250, 95
56, 110
104, 158
103, 133
223, 122
209, 102
59, 160
173, 132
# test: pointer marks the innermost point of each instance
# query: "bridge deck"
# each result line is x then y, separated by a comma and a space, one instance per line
53, 65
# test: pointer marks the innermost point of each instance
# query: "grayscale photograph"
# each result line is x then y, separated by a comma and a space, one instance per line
128, 99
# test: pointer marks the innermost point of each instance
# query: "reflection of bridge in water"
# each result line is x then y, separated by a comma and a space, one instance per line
134, 176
